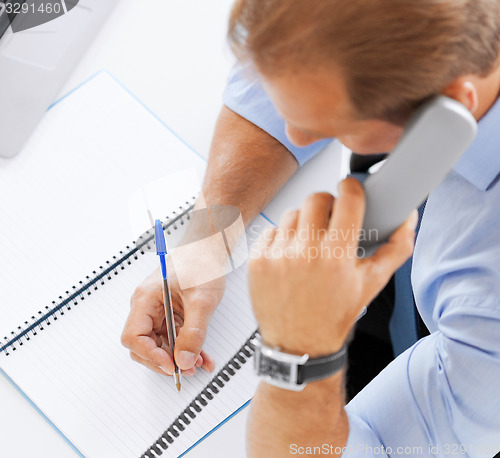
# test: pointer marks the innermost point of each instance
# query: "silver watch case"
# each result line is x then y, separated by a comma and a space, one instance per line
278, 368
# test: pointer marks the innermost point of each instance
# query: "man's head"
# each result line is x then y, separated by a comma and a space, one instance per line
357, 69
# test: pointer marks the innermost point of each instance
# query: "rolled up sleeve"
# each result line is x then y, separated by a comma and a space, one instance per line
245, 96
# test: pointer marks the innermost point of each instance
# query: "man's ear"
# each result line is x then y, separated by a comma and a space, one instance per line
463, 90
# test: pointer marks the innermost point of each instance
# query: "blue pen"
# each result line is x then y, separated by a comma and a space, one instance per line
161, 251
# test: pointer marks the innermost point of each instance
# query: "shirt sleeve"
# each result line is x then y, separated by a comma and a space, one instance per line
245, 96
439, 398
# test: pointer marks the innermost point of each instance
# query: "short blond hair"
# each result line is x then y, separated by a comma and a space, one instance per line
394, 54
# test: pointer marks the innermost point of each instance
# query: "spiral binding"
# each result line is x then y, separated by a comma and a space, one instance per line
84, 288
199, 402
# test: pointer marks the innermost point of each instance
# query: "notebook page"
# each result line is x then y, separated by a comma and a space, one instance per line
64, 198
244, 382
79, 375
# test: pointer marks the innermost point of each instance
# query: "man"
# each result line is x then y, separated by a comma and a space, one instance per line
356, 71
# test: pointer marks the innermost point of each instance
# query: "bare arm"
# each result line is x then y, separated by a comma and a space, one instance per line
281, 421
246, 166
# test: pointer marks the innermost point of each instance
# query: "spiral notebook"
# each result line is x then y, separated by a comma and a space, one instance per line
68, 271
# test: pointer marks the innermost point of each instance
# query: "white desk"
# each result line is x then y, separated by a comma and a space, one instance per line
172, 56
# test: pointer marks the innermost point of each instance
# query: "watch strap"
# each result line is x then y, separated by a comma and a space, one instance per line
319, 368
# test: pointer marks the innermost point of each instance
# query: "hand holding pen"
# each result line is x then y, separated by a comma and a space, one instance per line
145, 329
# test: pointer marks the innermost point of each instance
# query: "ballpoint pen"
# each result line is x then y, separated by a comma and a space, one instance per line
161, 251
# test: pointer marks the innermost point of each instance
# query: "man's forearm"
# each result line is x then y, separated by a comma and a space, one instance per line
281, 421
246, 166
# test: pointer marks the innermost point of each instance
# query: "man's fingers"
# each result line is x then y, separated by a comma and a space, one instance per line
315, 213
265, 240
158, 370
392, 255
289, 220
144, 333
154, 368
192, 335
188, 346
147, 349
287, 227
139, 337
208, 362
147, 302
140, 321
349, 211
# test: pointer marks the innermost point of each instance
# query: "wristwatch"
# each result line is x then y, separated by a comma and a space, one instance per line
293, 372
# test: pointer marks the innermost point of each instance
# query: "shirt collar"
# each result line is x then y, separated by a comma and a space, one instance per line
480, 164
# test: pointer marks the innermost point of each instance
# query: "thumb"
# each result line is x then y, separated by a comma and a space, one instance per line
191, 336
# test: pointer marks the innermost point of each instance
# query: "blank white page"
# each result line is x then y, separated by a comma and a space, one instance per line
64, 198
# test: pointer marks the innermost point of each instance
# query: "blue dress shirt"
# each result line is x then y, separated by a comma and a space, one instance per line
441, 397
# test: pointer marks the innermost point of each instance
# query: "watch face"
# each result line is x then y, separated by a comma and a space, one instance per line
276, 369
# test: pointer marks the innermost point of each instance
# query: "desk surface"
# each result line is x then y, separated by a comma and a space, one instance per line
172, 55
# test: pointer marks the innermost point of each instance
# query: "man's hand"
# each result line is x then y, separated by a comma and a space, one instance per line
246, 168
306, 283
145, 333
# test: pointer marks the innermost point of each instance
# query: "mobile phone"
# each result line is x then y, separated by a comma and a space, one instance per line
435, 138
